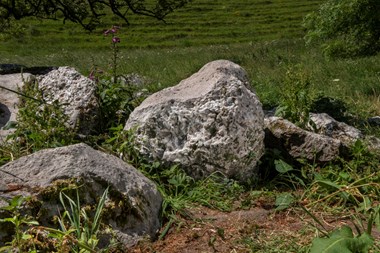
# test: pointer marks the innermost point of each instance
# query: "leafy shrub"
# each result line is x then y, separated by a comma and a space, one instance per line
40, 124
346, 28
296, 97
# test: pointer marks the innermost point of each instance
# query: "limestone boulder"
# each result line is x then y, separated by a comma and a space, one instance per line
133, 206
295, 142
211, 121
77, 95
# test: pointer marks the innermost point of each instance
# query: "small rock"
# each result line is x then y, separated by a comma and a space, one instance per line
374, 121
296, 143
328, 126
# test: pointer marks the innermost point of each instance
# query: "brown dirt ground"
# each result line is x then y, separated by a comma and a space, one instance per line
214, 231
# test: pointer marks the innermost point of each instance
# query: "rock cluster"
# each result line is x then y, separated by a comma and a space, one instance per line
210, 122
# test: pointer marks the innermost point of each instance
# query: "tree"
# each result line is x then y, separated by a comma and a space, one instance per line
345, 28
87, 13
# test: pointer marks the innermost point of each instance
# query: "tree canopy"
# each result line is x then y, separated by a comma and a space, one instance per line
87, 13
345, 28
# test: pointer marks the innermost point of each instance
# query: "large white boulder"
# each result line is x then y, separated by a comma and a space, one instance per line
211, 121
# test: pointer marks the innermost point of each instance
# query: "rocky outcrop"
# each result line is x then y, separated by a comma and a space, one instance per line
295, 142
133, 206
77, 95
209, 122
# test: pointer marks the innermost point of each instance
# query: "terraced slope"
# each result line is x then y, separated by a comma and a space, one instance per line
222, 22
202, 22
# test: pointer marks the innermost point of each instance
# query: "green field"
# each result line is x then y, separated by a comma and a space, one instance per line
202, 22
265, 37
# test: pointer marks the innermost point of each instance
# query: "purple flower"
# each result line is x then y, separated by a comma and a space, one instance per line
113, 30
115, 40
92, 75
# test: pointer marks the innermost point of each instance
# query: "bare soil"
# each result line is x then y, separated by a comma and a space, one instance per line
256, 229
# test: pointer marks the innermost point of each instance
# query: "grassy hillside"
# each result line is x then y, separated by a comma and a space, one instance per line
202, 22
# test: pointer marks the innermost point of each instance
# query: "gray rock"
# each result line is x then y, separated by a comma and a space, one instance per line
326, 125
76, 93
298, 143
375, 121
134, 204
9, 100
209, 122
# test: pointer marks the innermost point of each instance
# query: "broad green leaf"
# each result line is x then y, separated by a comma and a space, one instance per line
328, 185
342, 241
282, 166
14, 203
283, 201
26, 236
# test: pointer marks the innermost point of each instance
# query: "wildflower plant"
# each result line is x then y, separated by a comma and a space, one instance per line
115, 50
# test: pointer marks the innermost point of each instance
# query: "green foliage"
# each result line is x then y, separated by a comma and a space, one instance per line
78, 235
41, 124
116, 101
346, 28
199, 23
348, 182
85, 229
296, 97
284, 201
20, 221
342, 241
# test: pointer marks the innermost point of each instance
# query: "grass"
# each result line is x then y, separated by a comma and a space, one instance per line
201, 22
264, 37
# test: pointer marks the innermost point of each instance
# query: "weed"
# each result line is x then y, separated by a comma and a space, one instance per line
296, 97
85, 230
41, 124
21, 238
343, 239
117, 98
114, 41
